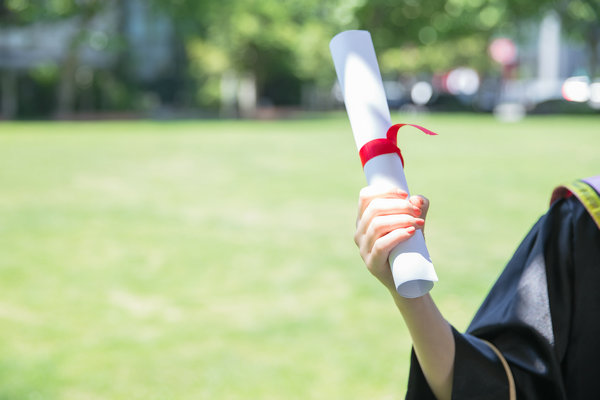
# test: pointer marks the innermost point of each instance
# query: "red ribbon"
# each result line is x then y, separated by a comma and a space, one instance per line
388, 145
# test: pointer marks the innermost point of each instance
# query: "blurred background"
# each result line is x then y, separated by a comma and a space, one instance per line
178, 185
65, 59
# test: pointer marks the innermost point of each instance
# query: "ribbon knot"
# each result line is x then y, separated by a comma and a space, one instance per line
387, 145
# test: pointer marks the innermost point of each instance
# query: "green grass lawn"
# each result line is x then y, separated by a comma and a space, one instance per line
215, 260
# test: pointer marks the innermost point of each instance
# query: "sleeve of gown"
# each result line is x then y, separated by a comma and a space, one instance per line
516, 318
478, 373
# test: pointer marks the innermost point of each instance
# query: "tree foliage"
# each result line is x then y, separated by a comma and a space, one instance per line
435, 35
581, 21
22, 12
283, 44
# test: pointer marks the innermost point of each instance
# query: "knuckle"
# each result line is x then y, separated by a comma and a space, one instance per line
364, 192
375, 228
357, 237
377, 221
377, 203
378, 247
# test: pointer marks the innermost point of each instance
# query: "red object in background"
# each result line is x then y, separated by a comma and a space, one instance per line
503, 51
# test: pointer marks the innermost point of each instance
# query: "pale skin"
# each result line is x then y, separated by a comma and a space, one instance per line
386, 217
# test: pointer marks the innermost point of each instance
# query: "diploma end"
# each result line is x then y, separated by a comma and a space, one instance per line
412, 268
413, 289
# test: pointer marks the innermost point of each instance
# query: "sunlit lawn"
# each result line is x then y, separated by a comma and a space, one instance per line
214, 260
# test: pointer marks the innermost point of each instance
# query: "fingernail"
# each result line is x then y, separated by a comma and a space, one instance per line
417, 211
420, 221
411, 229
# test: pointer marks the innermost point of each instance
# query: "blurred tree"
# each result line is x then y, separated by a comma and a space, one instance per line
27, 12
240, 53
435, 35
260, 50
85, 11
581, 20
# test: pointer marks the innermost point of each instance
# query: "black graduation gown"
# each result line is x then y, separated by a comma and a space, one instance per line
543, 314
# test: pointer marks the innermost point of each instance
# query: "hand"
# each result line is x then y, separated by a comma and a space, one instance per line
386, 217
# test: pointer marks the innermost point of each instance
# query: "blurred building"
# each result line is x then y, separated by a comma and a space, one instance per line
73, 64
547, 62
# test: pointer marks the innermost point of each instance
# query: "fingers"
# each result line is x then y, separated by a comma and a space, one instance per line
386, 217
384, 224
382, 247
385, 206
386, 211
376, 259
369, 193
397, 211
422, 202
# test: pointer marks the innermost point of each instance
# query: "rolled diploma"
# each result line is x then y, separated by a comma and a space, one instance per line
360, 80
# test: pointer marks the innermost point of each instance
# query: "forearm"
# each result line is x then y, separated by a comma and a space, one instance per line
432, 340
387, 217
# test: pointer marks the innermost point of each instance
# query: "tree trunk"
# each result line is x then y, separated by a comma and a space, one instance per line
593, 54
247, 96
10, 98
67, 90
65, 104
229, 88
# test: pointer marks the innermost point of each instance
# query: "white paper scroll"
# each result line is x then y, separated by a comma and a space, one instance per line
360, 80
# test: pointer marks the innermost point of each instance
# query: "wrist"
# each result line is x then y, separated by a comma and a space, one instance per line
411, 305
